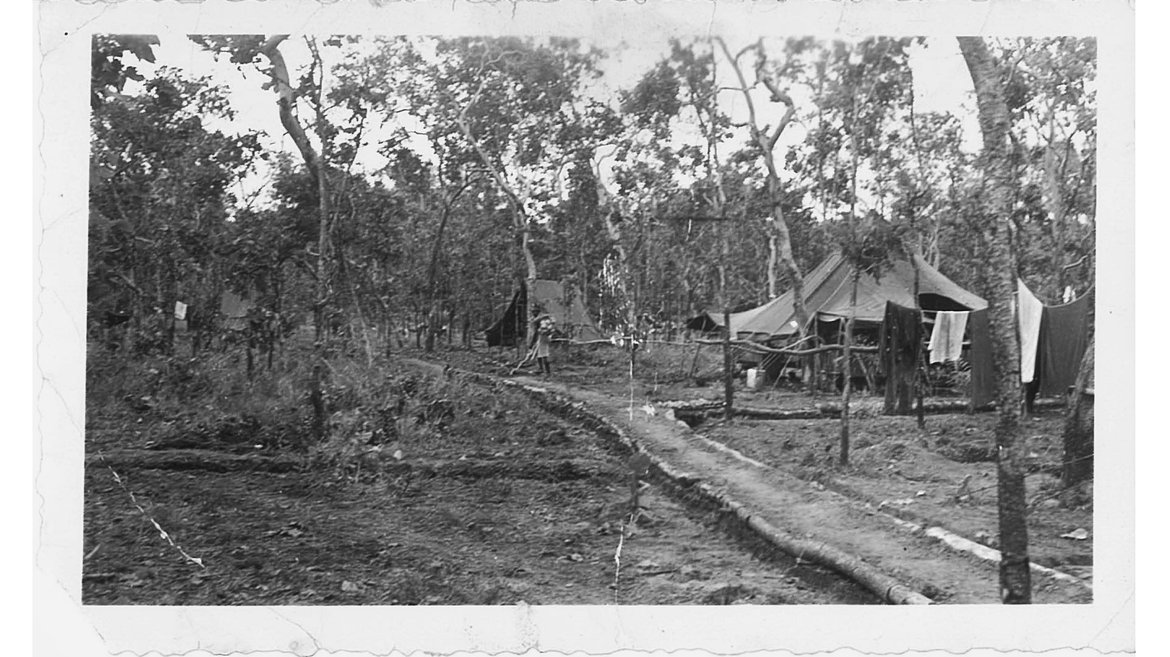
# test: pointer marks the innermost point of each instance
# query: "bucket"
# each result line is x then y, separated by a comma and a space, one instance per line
753, 377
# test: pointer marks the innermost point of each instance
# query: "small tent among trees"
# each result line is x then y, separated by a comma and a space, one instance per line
550, 298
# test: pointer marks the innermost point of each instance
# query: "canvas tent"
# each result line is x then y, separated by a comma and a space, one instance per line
827, 291
550, 297
234, 309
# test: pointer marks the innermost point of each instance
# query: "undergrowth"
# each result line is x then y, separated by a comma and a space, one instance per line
377, 413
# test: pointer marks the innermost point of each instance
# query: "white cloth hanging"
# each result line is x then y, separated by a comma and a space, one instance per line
180, 310
946, 340
1029, 311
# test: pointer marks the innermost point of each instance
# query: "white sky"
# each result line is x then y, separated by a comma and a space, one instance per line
941, 81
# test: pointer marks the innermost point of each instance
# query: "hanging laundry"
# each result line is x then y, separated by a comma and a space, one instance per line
1029, 310
899, 336
946, 341
982, 369
1064, 336
180, 310
900, 339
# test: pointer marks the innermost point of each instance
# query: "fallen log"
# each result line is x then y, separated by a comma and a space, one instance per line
194, 459
760, 413
466, 468
827, 410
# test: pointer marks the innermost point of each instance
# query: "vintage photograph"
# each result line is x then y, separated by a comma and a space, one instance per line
705, 319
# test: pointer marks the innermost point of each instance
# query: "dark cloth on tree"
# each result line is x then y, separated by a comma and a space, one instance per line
900, 337
982, 369
1064, 336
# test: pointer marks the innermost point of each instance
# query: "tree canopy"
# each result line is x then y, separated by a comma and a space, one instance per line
456, 167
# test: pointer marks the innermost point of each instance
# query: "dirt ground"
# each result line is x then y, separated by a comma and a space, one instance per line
498, 501
921, 473
942, 475
531, 509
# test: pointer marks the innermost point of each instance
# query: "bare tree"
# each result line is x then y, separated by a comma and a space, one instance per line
765, 139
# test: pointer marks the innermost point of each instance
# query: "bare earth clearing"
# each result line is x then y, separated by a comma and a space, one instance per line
899, 474
496, 500
526, 507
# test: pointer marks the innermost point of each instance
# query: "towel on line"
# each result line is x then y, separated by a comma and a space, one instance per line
946, 341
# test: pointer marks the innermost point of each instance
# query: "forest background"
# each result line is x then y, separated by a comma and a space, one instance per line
456, 167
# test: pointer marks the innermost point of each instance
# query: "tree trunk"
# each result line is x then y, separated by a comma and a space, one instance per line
432, 275
783, 238
614, 231
519, 216
773, 265
1078, 427
766, 143
286, 101
1014, 574
1054, 202
919, 376
847, 357
361, 318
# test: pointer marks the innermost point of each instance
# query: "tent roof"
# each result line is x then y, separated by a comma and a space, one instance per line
827, 296
568, 311
234, 306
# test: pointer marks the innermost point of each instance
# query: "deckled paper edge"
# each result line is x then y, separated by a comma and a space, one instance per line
61, 207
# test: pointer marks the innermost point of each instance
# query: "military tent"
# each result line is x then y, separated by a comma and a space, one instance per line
827, 291
234, 309
551, 298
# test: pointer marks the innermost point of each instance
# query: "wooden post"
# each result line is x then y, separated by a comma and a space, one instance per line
847, 368
728, 395
919, 372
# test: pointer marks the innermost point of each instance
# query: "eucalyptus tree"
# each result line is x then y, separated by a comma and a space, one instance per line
994, 121
765, 138
299, 90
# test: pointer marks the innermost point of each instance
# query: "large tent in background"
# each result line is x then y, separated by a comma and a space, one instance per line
827, 291
551, 298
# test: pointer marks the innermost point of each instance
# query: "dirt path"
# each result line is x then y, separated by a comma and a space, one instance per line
803, 510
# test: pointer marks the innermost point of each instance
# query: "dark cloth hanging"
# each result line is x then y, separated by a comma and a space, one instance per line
982, 369
1064, 336
900, 336
900, 339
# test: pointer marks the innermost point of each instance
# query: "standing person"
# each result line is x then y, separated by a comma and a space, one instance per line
544, 329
